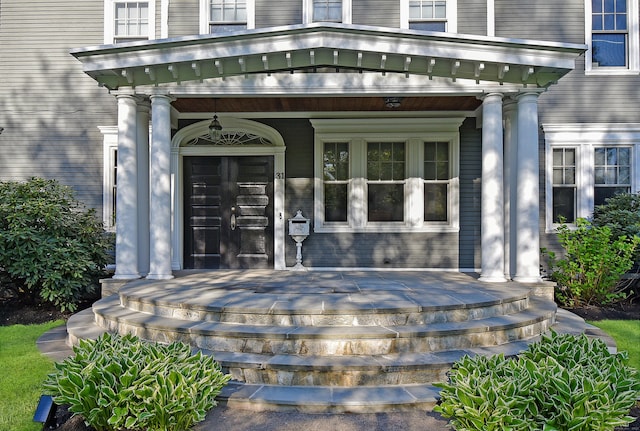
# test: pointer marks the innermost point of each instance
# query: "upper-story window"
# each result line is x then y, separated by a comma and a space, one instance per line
612, 35
221, 16
326, 11
429, 15
127, 21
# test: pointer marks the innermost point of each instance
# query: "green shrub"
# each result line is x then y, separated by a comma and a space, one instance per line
52, 248
562, 383
621, 214
592, 265
120, 383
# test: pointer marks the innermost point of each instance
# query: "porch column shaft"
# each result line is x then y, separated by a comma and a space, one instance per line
510, 191
528, 198
143, 187
160, 213
492, 202
127, 195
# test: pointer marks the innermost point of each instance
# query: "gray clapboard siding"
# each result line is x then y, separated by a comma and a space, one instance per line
184, 17
470, 187
48, 107
278, 13
472, 17
384, 13
560, 21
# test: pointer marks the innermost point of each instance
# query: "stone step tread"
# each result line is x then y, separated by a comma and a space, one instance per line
307, 398
538, 311
241, 300
399, 361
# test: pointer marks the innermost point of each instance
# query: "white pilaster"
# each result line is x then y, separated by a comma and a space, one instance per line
143, 187
510, 114
492, 200
127, 196
528, 196
160, 208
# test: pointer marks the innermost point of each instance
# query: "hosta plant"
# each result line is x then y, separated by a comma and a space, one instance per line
122, 382
562, 383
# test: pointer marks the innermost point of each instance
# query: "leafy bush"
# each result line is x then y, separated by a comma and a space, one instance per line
621, 214
592, 265
51, 247
120, 383
562, 383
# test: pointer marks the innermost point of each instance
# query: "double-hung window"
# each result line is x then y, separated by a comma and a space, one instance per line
429, 15
585, 165
564, 185
612, 28
127, 21
227, 15
379, 176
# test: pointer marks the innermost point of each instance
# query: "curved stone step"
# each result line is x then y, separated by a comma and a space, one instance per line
254, 305
329, 340
327, 399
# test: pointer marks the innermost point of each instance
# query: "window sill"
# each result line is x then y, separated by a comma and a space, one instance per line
611, 72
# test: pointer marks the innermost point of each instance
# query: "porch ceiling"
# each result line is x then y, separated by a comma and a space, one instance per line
313, 49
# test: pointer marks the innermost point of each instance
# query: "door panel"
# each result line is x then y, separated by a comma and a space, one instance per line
228, 212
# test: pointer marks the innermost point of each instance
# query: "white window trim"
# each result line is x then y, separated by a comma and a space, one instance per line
109, 20
109, 147
204, 16
414, 131
585, 138
452, 15
307, 12
633, 50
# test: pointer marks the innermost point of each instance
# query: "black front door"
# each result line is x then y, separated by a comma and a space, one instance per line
228, 205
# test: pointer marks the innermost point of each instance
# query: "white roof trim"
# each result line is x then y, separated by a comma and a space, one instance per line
332, 47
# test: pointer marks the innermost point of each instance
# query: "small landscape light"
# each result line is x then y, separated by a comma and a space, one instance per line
46, 412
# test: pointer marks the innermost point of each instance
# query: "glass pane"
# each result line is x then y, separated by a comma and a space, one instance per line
612, 156
601, 194
121, 12
435, 202
570, 157
624, 156
599, 175
609, 49
596, 22
386, 151
414, 10
558, 175
373, 171
443, 170
336, 161
557, 157
398, 152
611, 176
335, 202
386, 171
430, 171
609, 22
427, 26
430, 150
386, 202
398, 171
609, 6
621, 22
563, 204
596, 6
569, 176
440, 10
599, 156
621, 6
624, 176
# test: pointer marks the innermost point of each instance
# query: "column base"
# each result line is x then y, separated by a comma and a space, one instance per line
527, 279
126, 276
492, 278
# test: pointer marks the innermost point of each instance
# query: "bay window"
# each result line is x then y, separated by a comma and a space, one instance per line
378, 176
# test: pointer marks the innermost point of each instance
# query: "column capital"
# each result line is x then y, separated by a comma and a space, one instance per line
491, 95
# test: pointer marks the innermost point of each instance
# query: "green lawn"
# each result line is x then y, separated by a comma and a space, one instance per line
22, 370
627, 336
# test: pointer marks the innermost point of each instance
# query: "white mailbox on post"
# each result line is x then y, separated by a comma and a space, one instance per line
299, 231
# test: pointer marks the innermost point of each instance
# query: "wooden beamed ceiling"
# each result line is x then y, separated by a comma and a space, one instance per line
324, 104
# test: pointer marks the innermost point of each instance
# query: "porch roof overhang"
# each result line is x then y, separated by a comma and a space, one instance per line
328, 48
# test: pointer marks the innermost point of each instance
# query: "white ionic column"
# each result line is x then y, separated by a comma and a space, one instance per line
160, 209
528, 195
492, 198
510, 114
127, 194
143, 187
